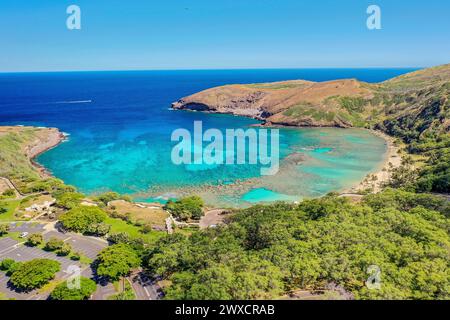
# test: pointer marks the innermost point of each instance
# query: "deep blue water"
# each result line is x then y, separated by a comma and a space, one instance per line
120, 123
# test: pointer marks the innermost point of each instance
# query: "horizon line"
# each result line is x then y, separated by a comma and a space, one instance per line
214, 69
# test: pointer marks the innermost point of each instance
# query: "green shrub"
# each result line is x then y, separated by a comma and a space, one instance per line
65, 250
64, 292
266, 250
106, 197
75, 256
98, 229
9, 266
4, 229
54, 244
35, 240
186, 208
6, 264
8, 193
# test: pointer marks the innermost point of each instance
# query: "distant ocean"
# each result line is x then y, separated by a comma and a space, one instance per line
120, 126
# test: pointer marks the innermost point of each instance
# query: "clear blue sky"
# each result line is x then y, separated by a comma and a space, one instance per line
193, 34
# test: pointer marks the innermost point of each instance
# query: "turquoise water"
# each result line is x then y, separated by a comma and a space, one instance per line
264, 195
331, 160
328, 159
120, 127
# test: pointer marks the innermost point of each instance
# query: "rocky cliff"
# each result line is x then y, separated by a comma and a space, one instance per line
339, 103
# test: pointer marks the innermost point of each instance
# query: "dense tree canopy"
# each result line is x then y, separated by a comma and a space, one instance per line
4, 229
64, 292
186, 208
9, 266
82, 218
106, 197
34, 274
69, 200
117, 261
268, 250
54, 244
3, 208
35, 239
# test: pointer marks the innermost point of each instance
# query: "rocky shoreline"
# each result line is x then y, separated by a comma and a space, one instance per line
48, 139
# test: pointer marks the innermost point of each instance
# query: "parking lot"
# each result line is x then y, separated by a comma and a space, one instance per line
30, 227
6, 244
88, 246
13, 249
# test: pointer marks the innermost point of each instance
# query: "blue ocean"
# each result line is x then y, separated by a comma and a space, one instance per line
120, 124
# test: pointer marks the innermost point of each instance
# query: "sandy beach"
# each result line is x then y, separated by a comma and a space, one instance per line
374, 181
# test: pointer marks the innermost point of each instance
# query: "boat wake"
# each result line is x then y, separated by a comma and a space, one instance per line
72, 102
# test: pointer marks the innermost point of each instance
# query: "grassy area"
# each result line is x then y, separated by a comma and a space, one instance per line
36, 199
125, 291
187, 231
120, 226
148, 215
49, 287
27, 202
84, 260
318, 113
14, 236
14, 163
277, 85
11, 207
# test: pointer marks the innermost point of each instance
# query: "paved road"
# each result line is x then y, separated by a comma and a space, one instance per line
104, 291
143, 286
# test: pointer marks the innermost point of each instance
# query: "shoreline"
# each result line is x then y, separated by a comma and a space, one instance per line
374, 181
52, 139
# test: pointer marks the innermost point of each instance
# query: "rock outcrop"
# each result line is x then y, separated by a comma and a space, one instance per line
339, 103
